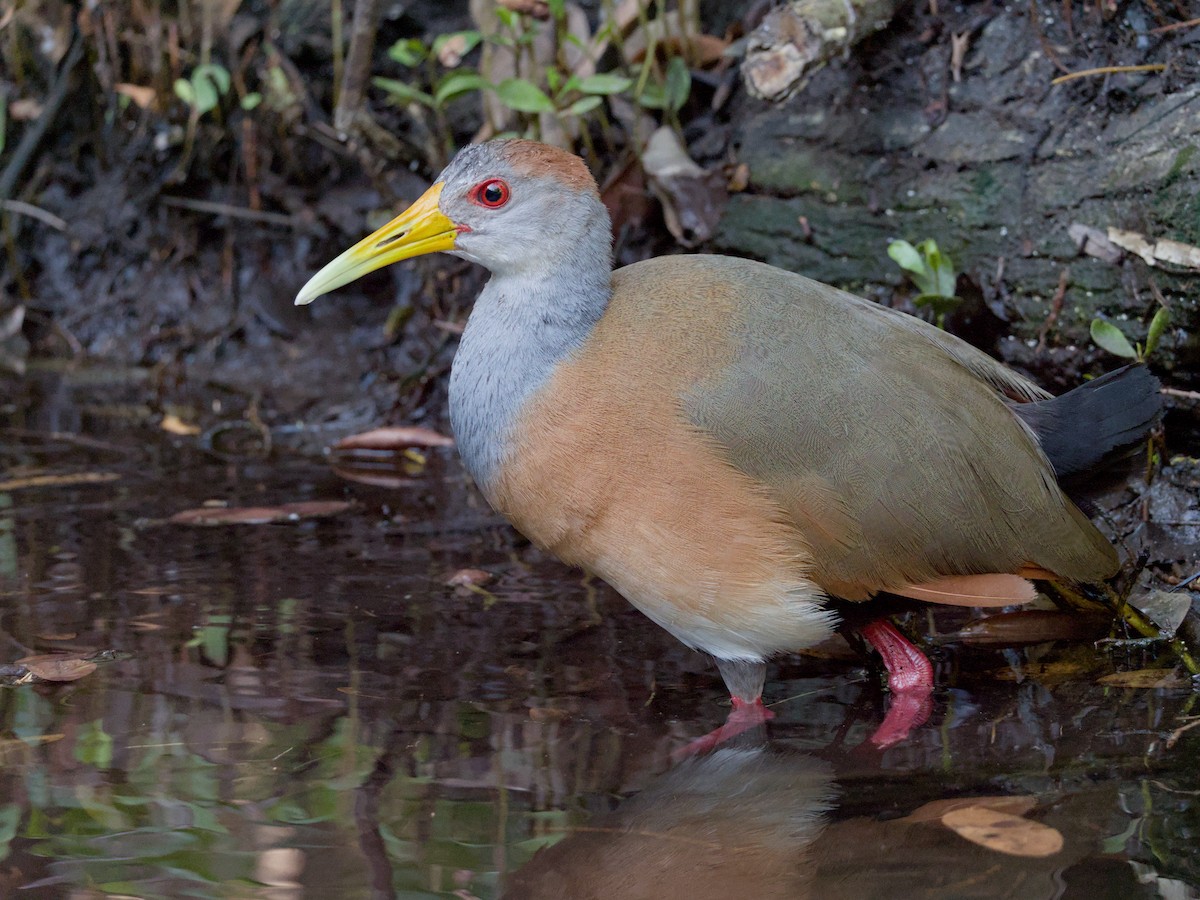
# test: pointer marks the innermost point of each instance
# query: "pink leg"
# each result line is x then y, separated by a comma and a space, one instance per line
910, 678
744, 716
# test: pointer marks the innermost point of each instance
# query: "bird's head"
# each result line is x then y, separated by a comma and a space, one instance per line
513, 206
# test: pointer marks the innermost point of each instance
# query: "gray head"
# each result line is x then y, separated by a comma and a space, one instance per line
518, 207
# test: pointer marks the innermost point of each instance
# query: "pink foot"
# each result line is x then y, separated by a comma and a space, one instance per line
910, 678
744, 716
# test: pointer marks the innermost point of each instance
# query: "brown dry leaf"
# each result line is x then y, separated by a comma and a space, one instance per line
24, 110
692, 199
19, 751
1004, 833
539, 9
1144, 679
374, 476
1031, 626
469, 578
934, 810
172, 424
1154, 252
58, 636
1046, 673
398, 438
57, 667
546, 714
141, 96
36, 481
260, 515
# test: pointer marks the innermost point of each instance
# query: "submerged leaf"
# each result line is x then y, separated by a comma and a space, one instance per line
57, 667
1145, 679
259, 515
1003, 832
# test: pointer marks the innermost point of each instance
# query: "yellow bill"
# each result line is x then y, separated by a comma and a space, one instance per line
420, 229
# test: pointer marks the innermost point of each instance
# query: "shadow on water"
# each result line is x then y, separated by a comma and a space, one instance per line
306, 709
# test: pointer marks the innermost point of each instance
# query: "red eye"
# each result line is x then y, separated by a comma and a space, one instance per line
492, 193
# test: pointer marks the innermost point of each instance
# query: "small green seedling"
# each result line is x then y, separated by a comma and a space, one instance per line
932, 272
204, 89
1109, 337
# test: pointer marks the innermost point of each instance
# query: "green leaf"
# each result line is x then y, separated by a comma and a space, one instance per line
457, 83
584, 105
940, 267
183, 90
523, 96
94, 745
679, 84
507, 17
558, 9
470, 40
1109, 337
553, 79
607, 83
408, 52
653, 96
906, 256
401, 93
217, 75
1162, 317
206, 95
251, 100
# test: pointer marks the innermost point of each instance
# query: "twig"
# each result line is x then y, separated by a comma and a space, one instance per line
224, 209
33, 137
1177, 25
1056, 305
1181, 394
34, 212
363, 27
1109, 70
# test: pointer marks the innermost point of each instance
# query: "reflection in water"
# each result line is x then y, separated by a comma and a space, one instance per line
736, 823
306, 710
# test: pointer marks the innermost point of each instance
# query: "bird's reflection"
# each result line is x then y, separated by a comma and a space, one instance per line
735, 823
755, 821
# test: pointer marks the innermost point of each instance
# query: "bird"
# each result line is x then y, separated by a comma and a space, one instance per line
730, 445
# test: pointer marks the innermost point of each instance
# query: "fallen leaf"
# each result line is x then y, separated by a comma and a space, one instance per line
36, 481
1050, 673
172, 424
57, 667
24, 110
19, 751
936, 809
260, 515
141, 96
1094, 242
1166, 609
1030, 627
374, 476
1004, 833
1144, 679
692, 199
546, 714
1153, 252
539, 9
469, 578
398, 438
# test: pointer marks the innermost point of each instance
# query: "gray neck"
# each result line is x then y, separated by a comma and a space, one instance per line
523, 325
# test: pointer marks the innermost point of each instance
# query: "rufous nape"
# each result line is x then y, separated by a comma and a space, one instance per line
729, 444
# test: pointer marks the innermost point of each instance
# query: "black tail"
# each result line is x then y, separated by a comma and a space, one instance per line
1088, 428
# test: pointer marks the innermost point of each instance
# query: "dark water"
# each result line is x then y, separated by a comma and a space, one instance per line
305, 709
